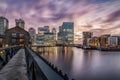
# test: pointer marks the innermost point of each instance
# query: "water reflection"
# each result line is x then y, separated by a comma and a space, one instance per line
84, 64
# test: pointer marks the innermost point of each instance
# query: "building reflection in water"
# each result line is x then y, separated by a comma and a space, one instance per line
84, 64
60, 56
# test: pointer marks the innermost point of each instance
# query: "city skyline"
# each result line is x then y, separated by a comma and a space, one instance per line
87, 15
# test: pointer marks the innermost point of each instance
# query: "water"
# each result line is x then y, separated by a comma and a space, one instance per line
85, 64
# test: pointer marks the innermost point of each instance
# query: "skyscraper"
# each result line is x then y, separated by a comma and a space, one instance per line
46, 28
54, 33
59, 35
3, 28
41, 32
32, 33
104, 39
68, 32
86, 37
20, 23
3, 25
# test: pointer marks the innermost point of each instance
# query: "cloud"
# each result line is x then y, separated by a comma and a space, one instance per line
97, 32
97, 13
87, 26
98, 1
3, 5
112, 17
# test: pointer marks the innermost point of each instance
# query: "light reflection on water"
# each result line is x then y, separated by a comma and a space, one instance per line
85, 64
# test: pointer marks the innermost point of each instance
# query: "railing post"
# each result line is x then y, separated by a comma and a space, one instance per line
8, 54
37, 68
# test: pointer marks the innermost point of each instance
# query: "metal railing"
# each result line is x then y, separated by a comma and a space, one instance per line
6, 54
39, 69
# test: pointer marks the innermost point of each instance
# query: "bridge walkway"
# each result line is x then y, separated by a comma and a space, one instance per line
16, 68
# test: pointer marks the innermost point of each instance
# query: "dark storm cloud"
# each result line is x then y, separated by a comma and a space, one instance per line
52, 6
99, 1
113, 17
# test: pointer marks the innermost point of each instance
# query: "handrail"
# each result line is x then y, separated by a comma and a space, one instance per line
7, 54
39, 69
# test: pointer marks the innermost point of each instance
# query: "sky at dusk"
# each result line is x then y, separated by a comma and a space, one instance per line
98, 16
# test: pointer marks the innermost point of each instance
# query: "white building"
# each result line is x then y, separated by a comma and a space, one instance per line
114, 40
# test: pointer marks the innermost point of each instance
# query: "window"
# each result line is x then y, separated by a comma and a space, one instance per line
14, 35
69, 30
21, 35
70, 35
14, 40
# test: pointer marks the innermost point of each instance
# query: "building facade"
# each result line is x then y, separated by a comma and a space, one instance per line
59, 36
20, 23
94, 41
16, 36
3, 25
104, 40
49, 38
1, 41
42, 30
32, 33
54, 34
86, 37
67, 33
40, 38
114, 40
45, 36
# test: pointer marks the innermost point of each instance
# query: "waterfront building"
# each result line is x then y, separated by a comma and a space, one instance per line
46, 28
54, 33
46, 37
42, 30
39, 39
3, 27
40, 36
114, 40
20, 23
49, 38
59, 35
1, 41
86, 37
94, 41
16, 36
32, 33
67, 30
104, 40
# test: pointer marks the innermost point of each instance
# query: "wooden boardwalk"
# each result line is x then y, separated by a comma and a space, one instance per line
16, 68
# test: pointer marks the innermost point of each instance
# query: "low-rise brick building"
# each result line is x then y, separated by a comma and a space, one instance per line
16, 36
1, 40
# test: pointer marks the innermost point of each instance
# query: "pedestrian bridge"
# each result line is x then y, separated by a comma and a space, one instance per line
24, 64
